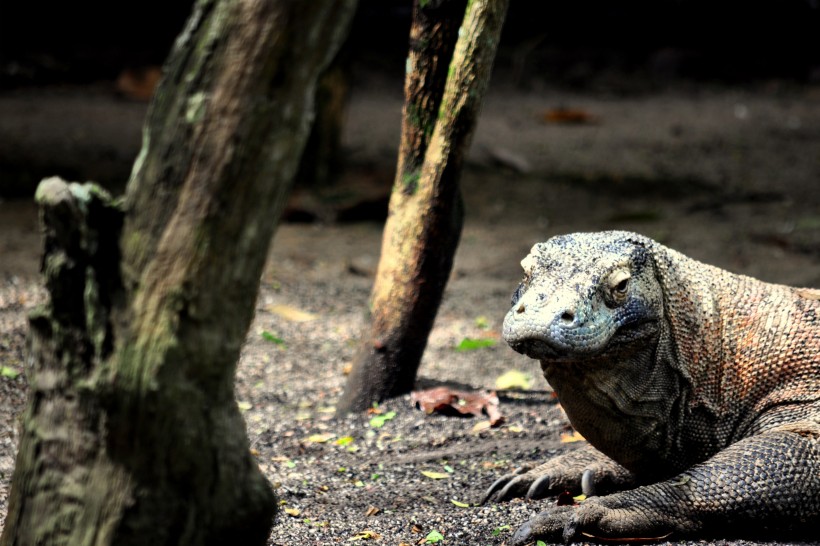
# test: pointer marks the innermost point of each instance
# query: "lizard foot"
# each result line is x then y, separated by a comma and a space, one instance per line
583, 470
609, 518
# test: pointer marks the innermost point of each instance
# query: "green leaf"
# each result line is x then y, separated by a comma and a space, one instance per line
374, 477
498, 530
469, 344
433, 537
344, 440
448, 469
244, 406
11, 373
482, 322
378, 421
290, 464
540, 543
267, 336
435, 475
460, 504
513, 379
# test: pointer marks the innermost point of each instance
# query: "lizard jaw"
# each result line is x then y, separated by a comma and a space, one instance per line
543, 347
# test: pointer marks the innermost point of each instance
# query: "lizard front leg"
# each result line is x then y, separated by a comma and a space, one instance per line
583, 468
767, 481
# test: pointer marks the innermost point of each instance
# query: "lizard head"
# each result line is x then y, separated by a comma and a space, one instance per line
585, 295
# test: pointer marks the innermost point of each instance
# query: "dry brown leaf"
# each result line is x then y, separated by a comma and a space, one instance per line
139, 83
568, 116
453, 402
481, 426
371, 511
570, 437
291, 314
364, 535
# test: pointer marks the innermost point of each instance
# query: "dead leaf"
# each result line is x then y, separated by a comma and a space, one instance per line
291, 314
364, 535
454, 402
570, 437
320, 438
139, 83
513, 379
371, 511
482, 426
568, 116
293, 512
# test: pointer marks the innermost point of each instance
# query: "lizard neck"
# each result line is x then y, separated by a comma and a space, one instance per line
622, 404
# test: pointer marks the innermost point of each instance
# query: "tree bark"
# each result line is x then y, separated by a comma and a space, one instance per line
132, 435
442, 101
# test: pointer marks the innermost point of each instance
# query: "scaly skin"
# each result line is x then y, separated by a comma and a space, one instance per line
699, 390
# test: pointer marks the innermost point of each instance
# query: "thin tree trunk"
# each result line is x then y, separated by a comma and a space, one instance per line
442, 101
132, 435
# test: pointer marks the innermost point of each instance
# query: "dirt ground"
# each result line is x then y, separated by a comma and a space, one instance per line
729, 176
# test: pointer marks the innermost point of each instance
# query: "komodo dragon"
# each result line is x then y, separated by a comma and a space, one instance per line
697, 389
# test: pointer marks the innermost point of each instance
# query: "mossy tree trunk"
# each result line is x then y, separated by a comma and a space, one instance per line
450, 60
132, 435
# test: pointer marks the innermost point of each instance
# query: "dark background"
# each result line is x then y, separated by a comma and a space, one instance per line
573, 43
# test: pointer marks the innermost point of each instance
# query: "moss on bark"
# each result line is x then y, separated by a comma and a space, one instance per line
132, 435
443, 90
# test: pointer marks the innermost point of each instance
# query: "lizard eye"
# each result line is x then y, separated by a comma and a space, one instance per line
619, 286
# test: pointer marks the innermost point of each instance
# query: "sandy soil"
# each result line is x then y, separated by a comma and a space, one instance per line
727, 176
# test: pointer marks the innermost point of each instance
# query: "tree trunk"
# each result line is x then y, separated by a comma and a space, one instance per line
442, 101
132, 435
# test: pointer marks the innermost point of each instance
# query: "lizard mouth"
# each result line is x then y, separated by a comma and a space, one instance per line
624, 338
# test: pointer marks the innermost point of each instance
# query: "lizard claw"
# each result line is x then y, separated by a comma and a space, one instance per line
570, 530
499, 490
522, 535
496, 486
540, 488
549, 526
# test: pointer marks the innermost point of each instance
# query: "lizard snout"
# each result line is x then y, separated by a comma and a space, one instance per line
552, 327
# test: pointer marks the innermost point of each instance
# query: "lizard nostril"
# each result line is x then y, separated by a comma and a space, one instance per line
521, 308
567, 316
